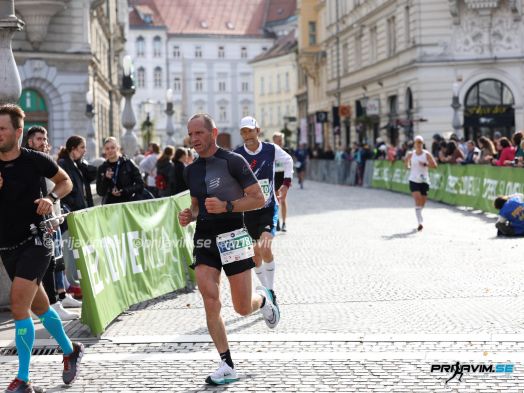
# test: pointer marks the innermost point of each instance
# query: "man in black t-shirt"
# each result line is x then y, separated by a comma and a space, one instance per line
26, 244
222, 187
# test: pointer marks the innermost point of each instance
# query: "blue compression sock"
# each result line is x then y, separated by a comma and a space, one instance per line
24, 338
53, 325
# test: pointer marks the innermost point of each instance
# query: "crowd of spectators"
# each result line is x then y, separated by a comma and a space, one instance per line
499, 151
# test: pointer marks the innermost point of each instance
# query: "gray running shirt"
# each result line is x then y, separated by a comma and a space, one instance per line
224, 175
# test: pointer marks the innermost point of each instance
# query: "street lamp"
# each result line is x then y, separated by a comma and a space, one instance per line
129, 141
455, 104
170, 130
9, 77
91, 145
147, 125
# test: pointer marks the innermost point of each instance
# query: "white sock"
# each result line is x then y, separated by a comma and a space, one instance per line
261, 274
269, 268
418, 212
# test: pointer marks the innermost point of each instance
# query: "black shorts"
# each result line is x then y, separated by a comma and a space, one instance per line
279, 180
27, 261
261, 220
205, 251
423, 188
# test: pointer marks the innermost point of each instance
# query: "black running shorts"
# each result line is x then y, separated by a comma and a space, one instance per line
423, 188
27, 261
205, 251
261, 220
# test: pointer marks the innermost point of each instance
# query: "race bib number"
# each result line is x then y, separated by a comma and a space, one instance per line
266, 189
235, 246
297, 164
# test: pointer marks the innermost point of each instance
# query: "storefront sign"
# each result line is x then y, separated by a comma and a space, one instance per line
373, 107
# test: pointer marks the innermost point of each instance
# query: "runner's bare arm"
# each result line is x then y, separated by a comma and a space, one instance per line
431, 161
407, 161
186, 216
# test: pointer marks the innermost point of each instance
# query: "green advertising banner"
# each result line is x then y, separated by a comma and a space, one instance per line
130, 252
474, 186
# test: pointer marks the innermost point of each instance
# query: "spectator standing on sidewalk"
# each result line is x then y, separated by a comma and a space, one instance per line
148, 167
472, 155
301, 158
487, 150
507, 153
54, 278
176, 180
118, 178
163, 168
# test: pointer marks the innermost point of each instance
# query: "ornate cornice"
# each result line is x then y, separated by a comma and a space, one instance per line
37, 15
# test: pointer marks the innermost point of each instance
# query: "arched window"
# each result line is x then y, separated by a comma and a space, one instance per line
140, 47
489, 92
157, 46
141, 77
489, 108
157, 77
409, 100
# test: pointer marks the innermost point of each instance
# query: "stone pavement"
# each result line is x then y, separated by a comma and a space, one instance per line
368, 305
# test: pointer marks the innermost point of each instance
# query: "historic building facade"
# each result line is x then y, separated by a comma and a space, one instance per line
398, 63
201, 52
66, 49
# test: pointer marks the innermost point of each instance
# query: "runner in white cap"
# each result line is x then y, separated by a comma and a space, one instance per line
419, 162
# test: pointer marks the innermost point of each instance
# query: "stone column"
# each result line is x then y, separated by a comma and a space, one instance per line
11, 86
129, 140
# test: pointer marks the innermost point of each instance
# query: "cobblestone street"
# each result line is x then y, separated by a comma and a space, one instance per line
367, 303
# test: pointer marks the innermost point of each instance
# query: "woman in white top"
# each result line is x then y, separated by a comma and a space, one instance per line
419, 161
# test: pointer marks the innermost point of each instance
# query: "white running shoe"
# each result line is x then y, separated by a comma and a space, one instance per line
70, 302
63, 313
270, 311
224, 374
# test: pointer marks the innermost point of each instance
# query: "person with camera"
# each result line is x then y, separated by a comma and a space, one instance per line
26, 244
118, 178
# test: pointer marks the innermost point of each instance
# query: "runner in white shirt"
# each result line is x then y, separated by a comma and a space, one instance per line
419, 161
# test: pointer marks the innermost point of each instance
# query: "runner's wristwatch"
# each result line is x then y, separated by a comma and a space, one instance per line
53, 197
229, 207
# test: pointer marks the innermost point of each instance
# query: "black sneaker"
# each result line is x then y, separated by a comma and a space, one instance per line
19, 386
278, 225
72, 363
284, 227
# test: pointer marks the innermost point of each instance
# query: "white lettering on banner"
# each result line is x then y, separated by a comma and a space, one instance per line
123, 254
435, 178
397, 176
157, 250
490, 188
513, 188
132, 238
111, 254
452, 182
92, 268
469, 186
386, 174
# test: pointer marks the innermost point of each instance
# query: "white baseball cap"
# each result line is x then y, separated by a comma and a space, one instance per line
419, 138
248, 122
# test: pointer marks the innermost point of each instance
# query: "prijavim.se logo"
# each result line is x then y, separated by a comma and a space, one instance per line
458, 370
